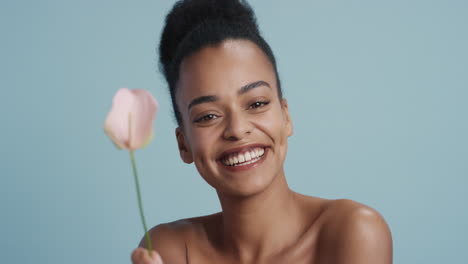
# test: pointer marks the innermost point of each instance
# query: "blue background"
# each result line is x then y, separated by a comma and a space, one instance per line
378, 94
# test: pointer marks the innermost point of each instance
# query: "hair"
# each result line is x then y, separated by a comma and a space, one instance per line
194, 24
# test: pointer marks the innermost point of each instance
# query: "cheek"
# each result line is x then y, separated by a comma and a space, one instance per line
201, 142
273, 123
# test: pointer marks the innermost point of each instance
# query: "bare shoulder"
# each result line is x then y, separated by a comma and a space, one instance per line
352, 232
345, 213
170, 239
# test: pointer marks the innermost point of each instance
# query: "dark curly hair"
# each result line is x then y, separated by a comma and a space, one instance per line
194, 24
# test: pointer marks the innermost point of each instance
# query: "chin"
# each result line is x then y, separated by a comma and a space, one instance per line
245, 189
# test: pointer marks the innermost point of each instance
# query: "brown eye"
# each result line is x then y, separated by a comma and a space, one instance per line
258, 104
206, 118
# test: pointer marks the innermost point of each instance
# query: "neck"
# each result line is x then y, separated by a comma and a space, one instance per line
256, 226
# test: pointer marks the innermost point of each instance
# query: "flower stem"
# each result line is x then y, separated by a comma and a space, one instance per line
148, 240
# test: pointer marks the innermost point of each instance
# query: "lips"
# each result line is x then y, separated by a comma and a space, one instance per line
242, 157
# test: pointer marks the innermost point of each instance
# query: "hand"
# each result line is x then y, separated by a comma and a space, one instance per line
141, 256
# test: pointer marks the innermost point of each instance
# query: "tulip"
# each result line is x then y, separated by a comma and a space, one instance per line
129, 125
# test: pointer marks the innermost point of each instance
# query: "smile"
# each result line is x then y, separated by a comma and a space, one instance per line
243, 158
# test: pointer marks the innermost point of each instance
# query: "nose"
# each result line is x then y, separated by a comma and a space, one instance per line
237, 126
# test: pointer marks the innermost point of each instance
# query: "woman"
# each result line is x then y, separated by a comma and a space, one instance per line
234, 126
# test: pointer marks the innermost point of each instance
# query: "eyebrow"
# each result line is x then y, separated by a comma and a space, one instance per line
213, 98
253, 85
202, 99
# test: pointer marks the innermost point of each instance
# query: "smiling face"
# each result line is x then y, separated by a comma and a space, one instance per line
234, 126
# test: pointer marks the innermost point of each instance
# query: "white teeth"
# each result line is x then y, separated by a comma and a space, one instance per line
247, 156
253, 154
244, 158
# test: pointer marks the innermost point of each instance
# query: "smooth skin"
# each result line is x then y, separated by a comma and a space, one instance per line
228, 99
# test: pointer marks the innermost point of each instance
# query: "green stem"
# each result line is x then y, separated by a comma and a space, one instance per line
148, 240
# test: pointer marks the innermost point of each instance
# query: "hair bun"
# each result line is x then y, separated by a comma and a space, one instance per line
186, 15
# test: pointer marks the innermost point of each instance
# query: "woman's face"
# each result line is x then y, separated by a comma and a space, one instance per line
234, 126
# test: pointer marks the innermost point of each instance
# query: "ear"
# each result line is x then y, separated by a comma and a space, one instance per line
184, 151
288, 125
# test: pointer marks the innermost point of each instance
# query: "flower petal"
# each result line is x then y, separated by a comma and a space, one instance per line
144, 110
116, 124
132, 115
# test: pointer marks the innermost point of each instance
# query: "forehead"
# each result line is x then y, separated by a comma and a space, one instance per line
221, 69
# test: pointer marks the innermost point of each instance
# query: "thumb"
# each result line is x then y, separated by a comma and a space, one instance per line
155, 258
141, 256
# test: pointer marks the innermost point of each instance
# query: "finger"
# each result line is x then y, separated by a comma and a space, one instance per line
138, 256
142, 256
155, 258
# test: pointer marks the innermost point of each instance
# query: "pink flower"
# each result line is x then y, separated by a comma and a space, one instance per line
129, 123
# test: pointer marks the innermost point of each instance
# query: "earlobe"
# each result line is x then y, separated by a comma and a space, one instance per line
185, 153
289, 125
